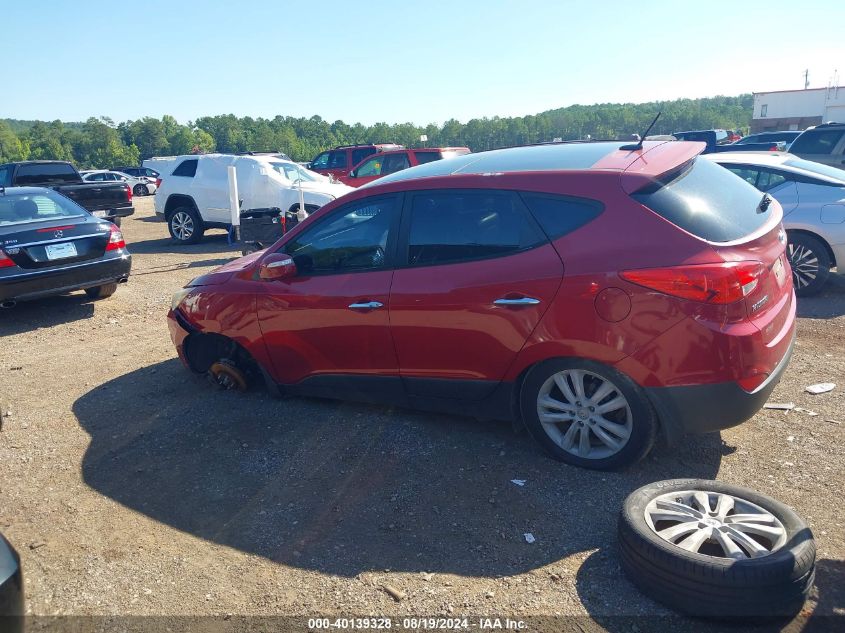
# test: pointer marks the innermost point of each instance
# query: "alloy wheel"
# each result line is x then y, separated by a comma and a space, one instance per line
805, 265
715, 524
585, 414
183, 226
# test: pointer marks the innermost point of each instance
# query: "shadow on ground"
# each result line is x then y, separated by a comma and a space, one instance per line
344, 488
212, 242
27, 316
829, 304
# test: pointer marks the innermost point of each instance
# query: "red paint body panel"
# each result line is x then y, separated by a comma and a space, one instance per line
444, 322
309, 328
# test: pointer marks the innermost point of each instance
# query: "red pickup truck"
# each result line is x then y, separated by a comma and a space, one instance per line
384, 163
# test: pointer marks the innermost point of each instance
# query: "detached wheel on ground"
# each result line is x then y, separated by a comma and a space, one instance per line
101, 292
587, 414
810, 263
185, 225
714, 550
140, 190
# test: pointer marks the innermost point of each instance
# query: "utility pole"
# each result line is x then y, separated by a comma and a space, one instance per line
806, 79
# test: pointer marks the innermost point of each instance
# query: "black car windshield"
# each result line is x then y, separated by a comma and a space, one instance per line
36, 207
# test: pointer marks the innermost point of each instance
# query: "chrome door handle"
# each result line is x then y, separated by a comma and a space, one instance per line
369, 305
522, 301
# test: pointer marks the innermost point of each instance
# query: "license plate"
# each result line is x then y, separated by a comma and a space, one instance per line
779, 271
61, 251
100, 214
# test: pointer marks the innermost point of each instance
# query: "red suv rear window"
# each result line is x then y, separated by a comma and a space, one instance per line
706, 200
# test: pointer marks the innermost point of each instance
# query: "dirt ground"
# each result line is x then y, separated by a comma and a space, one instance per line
130, 487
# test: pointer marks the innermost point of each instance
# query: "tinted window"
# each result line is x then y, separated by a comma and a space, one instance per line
748, 174
45, 173
337, 159
95, 177
395, 162
768, 180
152, 173
817, 142
321, 162
187, 168
371, 168
458, 226
706, 200
354, 238
5, 175
427, 157
558, 215
360, 154
17, 209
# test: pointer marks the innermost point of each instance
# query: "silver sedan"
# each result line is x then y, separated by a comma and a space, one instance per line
813, 199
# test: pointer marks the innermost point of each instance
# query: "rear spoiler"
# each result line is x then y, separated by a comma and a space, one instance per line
668, 157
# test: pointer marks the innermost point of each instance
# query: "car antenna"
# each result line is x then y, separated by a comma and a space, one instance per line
639, 145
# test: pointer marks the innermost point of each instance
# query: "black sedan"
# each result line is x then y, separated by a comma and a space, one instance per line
11, 589
50, 245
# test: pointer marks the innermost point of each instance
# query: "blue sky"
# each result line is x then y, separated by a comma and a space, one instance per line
421, 62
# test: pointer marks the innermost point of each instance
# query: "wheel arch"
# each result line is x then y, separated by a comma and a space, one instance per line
202, 349
812, 234
176, 200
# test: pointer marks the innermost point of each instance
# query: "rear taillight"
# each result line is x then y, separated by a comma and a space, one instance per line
116, 240
707, 283
158, 183
128, 193
5, 260
773, 148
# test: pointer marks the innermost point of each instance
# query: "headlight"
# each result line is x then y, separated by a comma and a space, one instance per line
179, 296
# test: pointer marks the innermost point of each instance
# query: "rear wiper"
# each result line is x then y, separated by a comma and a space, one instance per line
764, 203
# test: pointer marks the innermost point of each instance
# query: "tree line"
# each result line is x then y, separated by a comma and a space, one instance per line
101, 143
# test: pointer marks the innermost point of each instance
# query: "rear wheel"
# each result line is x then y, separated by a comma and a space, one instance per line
587, 414
140, 190
101, 292
185, 225
810, 263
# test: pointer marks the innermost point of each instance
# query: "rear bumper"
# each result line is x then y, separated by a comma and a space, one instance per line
712, 407
110, 214
34, 284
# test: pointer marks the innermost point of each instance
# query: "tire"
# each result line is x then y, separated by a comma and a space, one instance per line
101, 292
185, 225
615, 438
707, 583
140, 190
810, 263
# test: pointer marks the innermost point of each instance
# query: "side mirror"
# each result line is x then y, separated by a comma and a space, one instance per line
352, 174
277, 266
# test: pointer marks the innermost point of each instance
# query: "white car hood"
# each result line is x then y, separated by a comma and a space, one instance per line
330, 188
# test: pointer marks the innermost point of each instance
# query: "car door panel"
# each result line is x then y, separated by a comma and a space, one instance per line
332, 317
445, 319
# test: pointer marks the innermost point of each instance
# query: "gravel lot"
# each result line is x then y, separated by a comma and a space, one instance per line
131, 487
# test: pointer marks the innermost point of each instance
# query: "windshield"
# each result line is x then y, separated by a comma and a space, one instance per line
817, 168
38, 207
293, 172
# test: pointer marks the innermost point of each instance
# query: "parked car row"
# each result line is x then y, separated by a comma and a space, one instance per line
140, 185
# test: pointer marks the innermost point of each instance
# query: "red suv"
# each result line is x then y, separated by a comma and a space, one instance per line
338, 161
600, 294
374, 167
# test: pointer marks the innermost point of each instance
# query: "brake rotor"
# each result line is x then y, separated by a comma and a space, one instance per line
224, 374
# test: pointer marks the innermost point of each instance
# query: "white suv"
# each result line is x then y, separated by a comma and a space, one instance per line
194, 191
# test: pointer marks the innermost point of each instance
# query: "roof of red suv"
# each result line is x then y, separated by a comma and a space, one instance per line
654, 159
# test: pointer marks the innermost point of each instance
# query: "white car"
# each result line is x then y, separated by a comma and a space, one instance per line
813, 199
194, 191
139, 186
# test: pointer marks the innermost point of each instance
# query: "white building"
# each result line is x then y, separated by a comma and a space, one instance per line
797, 109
